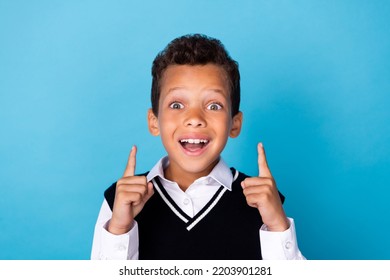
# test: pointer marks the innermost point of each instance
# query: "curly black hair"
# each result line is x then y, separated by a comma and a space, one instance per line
195, 49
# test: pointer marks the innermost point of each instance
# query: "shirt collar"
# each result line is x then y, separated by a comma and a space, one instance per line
221, 173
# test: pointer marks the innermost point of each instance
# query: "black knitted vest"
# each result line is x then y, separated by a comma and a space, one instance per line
226, 228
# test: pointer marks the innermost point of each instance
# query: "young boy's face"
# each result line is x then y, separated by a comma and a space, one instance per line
194, 119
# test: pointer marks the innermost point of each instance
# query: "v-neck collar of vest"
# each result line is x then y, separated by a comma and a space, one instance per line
190, 222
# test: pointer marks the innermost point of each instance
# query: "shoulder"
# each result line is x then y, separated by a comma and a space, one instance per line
109, 193
238, 177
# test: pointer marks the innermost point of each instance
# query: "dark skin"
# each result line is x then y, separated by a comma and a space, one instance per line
200, 105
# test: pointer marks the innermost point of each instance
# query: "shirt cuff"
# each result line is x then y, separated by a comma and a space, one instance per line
119, 247
280, 245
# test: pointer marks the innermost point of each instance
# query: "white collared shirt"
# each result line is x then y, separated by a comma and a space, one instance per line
196, 196
274, 245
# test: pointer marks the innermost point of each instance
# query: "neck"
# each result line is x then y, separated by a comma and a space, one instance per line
184, 178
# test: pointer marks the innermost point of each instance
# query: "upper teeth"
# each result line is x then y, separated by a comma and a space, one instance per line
194, 141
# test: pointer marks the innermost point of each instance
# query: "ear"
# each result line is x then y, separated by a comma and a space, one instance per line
236, 125
153, 123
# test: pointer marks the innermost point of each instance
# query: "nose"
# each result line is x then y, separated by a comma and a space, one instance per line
195, 118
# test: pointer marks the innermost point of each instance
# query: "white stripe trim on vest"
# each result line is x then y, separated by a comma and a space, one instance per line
207, 210
169, 203
211, 205
197, 220
235, 176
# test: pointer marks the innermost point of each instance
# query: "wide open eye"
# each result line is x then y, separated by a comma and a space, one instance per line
176, 105
214, 106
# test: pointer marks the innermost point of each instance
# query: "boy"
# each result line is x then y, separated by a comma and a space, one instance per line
191, 205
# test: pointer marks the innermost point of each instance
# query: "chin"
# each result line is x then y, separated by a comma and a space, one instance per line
200, 166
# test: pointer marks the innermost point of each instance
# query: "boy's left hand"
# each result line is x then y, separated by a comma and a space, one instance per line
261, 193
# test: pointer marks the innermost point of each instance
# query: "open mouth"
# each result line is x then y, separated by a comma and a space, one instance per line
194, 145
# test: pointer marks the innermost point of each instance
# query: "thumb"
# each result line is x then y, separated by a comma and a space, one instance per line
150, 191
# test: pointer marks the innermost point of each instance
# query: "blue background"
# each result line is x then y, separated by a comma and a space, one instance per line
74, 91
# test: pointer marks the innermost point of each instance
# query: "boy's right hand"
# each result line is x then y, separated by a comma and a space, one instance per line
132, 192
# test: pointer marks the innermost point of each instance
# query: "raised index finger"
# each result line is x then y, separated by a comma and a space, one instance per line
264, 170
130, 167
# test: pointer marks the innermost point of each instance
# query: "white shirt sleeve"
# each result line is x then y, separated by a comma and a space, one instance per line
108, 246
280, 245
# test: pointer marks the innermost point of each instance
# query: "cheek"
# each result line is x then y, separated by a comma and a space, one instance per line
222, 126
167, 126
226, 122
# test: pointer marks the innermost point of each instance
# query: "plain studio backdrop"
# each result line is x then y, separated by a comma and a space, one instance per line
74, 90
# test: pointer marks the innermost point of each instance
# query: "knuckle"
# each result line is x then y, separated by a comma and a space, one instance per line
266, 182
120, 188
120, 195
269, 181
140, 180
251, 200
261, 197
267, 189
137, 197
123, 181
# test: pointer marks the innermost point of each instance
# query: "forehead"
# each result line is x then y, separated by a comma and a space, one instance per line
197, 77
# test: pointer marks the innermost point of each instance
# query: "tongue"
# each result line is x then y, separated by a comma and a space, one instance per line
192, 147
